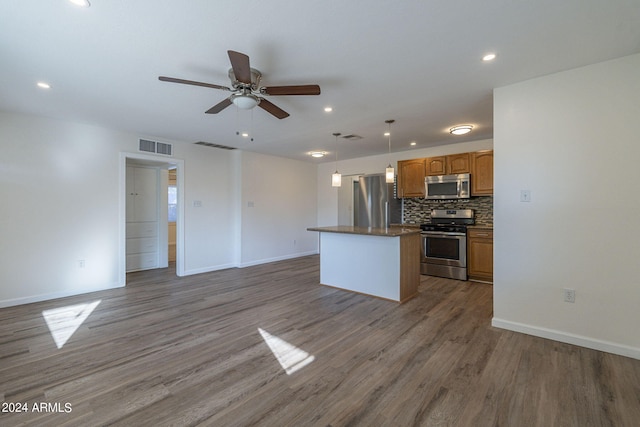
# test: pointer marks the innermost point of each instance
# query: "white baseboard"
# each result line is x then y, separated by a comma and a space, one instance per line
280, 258
208, 269
582, 341
55, 295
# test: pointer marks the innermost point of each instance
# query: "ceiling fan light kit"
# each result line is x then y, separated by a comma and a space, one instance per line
247, 92
245, 101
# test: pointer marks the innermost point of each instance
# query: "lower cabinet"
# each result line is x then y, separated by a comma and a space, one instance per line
142, 245
480, 254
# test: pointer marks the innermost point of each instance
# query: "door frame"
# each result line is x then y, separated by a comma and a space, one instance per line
159, 162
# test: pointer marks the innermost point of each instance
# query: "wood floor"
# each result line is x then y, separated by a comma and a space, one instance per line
190, 351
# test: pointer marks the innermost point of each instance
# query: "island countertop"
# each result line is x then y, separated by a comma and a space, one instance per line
366, 231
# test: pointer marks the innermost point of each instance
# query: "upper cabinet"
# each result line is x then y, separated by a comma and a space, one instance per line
458, 163
447, 165
482, 173
436, 165
411, 173
411, 178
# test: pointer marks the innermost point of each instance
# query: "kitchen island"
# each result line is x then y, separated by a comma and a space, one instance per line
382, 262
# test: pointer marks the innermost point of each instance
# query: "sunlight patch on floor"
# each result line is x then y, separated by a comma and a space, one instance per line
64, 321
290, 357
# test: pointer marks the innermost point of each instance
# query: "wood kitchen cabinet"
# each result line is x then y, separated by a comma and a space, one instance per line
482, 173
436, 166
458, 163
480, 254
411, 178
447, 165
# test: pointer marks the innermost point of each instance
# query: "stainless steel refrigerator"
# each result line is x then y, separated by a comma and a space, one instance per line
375, 204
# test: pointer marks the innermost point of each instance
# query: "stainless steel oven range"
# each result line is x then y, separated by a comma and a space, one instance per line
444, 243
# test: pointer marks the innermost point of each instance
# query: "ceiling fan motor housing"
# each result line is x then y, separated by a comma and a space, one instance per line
255, 80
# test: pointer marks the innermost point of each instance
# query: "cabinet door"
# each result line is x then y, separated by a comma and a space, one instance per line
146, 199
458, 163
436, 166
482, 173
480, 254
142, 196
130, 193
411, 178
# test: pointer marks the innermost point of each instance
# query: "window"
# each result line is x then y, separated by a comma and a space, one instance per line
173, 202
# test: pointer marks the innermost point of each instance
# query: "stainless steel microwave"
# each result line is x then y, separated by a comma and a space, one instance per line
448, 186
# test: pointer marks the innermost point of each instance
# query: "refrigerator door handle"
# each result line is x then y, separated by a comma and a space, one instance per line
386, 215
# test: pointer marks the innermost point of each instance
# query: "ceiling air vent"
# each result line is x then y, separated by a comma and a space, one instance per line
155, 147
352, 137
211, 144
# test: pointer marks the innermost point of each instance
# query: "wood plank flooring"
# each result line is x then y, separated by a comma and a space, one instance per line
169, 351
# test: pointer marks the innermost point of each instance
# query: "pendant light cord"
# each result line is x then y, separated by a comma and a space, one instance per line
336, 134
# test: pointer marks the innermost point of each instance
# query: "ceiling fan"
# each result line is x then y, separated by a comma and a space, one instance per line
246, 90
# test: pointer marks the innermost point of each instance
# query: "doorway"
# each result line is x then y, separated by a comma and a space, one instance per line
143, 164
346, 207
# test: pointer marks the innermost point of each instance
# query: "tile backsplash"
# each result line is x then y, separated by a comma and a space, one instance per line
416, 210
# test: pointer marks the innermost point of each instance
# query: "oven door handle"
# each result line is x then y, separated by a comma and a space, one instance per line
441, 234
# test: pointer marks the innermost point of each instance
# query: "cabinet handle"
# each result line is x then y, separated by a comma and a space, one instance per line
482, 235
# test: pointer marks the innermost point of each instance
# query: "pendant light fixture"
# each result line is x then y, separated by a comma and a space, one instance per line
389, 173
336, 178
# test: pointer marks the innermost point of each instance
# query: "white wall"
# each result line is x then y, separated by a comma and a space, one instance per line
60, 204
209, 175
60, 192
328, 195
571, 139
278, 204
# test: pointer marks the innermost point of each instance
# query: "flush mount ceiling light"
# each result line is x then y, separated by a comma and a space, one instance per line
328, 109
81, 3
489, 57
43, 85
317, 154
460, 129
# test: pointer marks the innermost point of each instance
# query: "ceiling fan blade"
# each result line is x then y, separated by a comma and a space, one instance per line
191, 82
273, 109
240, 65
292, 90
219, 106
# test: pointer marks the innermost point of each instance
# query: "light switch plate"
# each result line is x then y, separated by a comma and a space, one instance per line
525, 195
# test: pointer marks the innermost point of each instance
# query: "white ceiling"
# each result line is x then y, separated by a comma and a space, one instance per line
415, 61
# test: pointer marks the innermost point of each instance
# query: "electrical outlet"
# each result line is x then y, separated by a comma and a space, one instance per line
569, 295
525, 195
81, 263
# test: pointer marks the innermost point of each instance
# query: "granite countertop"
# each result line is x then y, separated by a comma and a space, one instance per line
385, 232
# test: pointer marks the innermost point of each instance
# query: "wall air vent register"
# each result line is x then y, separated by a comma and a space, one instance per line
155, 147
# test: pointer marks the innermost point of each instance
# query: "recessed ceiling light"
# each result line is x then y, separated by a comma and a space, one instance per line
328, 109
460, 129
318, 153
387, 133
489, 57
245, 134
81, 3
412, 143
44, 85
